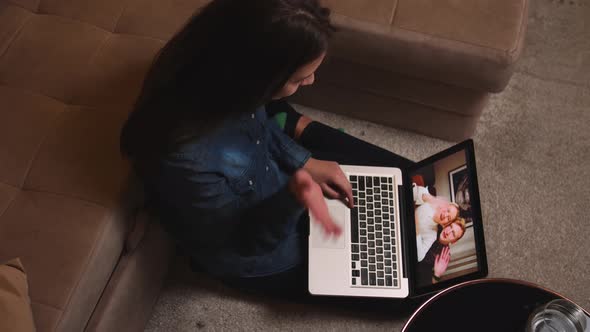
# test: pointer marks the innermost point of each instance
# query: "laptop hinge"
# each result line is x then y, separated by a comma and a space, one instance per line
401, 192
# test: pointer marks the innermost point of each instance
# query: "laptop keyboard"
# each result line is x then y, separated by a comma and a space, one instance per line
374, 252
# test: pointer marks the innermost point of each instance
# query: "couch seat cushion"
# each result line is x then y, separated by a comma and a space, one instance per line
469, 43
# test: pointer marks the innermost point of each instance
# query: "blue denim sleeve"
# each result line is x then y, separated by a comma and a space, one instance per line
286, 151
211, 215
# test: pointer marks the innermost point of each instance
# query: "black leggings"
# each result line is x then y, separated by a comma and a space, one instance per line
325, 143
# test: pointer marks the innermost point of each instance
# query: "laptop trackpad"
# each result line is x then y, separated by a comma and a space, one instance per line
319, 238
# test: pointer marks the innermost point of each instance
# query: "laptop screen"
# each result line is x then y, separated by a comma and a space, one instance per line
447, 219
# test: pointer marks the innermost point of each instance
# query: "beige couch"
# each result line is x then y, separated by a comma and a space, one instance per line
71, 69
69, 73
424, 65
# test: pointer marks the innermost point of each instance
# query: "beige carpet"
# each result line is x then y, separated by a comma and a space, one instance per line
533, 155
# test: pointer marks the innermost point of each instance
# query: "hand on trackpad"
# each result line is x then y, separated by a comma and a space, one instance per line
319, 239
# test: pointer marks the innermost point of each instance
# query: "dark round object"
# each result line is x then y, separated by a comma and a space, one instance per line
481, 305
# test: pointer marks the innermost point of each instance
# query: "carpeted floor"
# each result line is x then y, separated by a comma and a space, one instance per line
533, 154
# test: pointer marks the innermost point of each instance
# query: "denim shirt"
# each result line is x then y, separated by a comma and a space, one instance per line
224, 198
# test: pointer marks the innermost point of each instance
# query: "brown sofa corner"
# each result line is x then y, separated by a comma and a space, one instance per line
424, 65
69, 73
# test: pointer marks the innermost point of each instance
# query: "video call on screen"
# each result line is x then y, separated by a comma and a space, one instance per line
445, 239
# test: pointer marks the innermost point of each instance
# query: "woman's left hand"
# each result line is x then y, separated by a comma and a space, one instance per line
331, 179
309, 194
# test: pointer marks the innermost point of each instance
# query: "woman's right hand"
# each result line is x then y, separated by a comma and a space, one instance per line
331, 180
441, 262
310, 195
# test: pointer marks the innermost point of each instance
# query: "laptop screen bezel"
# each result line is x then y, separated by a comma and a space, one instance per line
410, 229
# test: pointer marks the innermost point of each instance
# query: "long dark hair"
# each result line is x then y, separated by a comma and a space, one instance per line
231, 57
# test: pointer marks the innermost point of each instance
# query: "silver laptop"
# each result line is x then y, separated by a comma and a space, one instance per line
376, 254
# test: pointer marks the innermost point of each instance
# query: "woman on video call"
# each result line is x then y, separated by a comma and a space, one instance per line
436, 260
432, 212
228, 166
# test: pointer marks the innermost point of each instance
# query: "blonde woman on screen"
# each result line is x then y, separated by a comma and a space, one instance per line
431, 212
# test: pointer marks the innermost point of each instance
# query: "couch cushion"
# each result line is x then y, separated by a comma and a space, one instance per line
472, 44
67, 83
15, 307
391, 111
495, 24
49, 54
115, 74
156, 18
84, 144
25, 119
103, 14
62, 201
12, 19
376, 11
7, 194
352, 76
31, 5
70, 248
